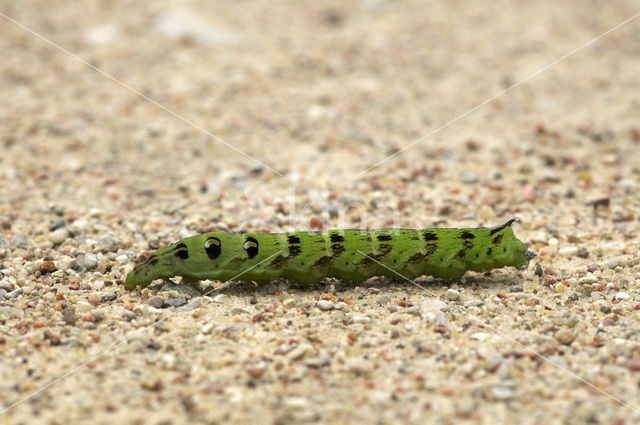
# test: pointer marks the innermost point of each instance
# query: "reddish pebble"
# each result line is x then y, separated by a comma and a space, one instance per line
315, 223
529, 193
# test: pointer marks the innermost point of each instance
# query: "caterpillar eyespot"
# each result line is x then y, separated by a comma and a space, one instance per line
308, 257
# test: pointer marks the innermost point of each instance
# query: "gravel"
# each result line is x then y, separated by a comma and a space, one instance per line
95, 178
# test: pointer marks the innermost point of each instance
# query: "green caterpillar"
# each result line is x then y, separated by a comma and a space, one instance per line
349, 255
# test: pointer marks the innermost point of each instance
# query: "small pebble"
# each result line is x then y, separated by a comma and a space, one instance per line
88, 262
621, 296
565, 336
220, 297
108, 244
568, 251
47, 267
20, 241
174, 302
289, 302
325, 305
486, 213
156, 301
6, 286
69, 316
58, 236
83, 306
453, 295
49, 297
98, 314
56, 225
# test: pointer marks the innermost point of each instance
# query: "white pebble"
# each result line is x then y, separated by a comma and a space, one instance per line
50, 297
569, 251
83, 306
289, 302
324, 305
621, 296
206, 329
453, 295
587, 280
220, 297
553, 245
58, 236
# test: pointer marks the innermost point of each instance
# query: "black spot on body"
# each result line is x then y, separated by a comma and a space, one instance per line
431, 248
323, 261
461, 254
279, 262
489, 251
153, 261
294, 250
182, 254
337, 249
334, 237
430, 236
293, 239
467, 235
497, 240
384, 237
416, 258
251, 247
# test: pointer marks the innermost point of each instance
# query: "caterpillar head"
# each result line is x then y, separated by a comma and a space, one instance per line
507, 249
185, 258
156, 266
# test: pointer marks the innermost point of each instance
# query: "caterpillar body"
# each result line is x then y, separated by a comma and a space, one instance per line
349, 255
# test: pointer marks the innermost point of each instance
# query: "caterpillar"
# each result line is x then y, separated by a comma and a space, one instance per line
349, 255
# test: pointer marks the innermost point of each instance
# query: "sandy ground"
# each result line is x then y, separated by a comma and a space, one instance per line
92, 175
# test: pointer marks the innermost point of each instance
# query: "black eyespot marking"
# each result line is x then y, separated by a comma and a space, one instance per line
213, 247
153, 261
294, 250
430, 236
336, 238
384, 237
181, 251
497, 240
182, 254
467, 235
293, 239
251, 246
